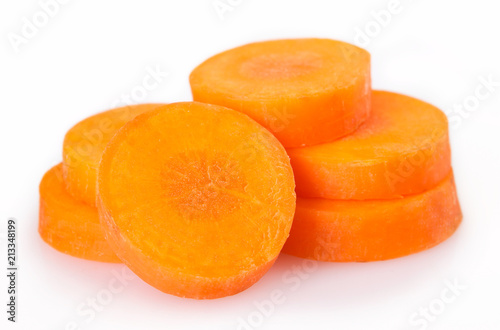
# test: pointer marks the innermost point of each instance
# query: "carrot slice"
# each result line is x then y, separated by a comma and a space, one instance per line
196, 199
402, 149
68, 225
305, 91
340, 230
83, 146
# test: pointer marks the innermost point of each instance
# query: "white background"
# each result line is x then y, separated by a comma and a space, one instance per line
91, 52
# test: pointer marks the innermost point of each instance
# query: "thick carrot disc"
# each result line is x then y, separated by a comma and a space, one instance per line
305, 91
83, 146
69, 225
196, 199
402, 149
337, 230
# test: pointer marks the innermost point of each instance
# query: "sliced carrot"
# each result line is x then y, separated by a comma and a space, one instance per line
68, 225
402, 149
337, 230
305, 91
196, 199
83, 146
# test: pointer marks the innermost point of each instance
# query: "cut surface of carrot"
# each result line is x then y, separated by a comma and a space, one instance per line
305, 91
340, 230
83, 146
402, 149
196, 199
68, 225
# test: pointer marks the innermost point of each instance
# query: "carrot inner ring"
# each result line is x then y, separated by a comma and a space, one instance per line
281, 66
202, 186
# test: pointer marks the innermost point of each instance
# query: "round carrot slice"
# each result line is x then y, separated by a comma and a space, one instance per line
402, 149
196, 199
68, 225
305, 91
83, 146
337, 230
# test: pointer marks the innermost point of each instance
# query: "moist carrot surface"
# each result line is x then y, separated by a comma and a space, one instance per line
402, 149
305, 91
68, 225
83, 146
196, 199
337, 230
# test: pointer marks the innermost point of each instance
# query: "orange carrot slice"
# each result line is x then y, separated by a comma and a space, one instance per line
340, 230
196, 199
305, 91
402, 149
83, 146
68, 225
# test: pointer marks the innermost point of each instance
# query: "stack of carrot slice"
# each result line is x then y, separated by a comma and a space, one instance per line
196, 199
286, 148
382, 190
